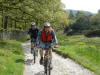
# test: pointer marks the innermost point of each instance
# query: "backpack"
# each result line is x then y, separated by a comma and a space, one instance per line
46, 37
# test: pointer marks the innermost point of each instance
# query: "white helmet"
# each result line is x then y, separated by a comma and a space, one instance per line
33, 24
47, 24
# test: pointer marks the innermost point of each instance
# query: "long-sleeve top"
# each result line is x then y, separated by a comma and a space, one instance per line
33, 32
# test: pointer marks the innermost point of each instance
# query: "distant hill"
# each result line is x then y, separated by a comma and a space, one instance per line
75, 11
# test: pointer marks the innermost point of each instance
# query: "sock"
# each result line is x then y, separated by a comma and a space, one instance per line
41, 57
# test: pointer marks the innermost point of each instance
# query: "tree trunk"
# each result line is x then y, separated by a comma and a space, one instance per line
10, 23
5, 22
2, 19
25, 26
15, 24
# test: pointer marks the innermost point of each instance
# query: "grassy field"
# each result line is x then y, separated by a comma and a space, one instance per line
11, 58
85, 51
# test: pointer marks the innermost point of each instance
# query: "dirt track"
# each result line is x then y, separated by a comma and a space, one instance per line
61, 66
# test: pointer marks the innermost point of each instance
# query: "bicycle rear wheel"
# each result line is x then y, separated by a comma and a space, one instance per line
34, 57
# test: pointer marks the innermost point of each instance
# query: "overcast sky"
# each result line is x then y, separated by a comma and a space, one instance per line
87, 5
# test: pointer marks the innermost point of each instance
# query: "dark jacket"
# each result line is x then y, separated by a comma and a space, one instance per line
33, 32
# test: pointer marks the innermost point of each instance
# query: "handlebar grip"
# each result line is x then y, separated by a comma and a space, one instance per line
28, 39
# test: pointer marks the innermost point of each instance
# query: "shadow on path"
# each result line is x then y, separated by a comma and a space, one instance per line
19, 61
40, 73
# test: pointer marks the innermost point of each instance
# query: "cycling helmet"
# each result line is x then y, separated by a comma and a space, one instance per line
47, 24
33, 24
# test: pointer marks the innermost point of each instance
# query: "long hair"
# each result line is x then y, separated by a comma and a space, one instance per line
50, 29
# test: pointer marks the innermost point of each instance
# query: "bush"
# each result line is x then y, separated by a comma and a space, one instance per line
93, 33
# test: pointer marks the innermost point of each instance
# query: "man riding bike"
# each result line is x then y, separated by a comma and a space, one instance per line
46, 37
33, 34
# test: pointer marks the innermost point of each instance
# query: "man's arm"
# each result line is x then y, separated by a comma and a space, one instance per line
28, 33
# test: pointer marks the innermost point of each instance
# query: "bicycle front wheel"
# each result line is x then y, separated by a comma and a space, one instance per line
47, 69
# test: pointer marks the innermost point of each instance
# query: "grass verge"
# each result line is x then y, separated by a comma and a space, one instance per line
85, 51
11, 58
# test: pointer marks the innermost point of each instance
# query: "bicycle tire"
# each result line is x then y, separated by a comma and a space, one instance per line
34, 57
47, 64
47, 68
48, 71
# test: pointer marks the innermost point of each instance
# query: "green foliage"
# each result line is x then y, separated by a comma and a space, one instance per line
19, 14
81, 24
93, 33
85, 51
21, 39
80, 13
71, 15
11, 58
95, 19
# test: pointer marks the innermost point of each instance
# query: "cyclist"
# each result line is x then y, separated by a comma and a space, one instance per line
33, 34
46, 37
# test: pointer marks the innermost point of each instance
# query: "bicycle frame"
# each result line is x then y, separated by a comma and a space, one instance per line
34, 52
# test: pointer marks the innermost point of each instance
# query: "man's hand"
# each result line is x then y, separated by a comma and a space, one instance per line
28, 39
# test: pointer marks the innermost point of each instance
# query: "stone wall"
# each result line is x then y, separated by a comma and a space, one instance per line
7, 35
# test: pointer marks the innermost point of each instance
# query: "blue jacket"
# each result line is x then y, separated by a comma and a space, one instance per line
33, 32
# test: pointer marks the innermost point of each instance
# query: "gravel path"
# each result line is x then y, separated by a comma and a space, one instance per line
61, 66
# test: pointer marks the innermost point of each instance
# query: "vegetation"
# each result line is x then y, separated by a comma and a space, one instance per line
11, 58
82, 23
93, 33
85, 51
18, 14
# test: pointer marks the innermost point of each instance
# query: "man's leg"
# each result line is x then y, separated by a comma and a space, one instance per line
41, 52
31, 46
41, 55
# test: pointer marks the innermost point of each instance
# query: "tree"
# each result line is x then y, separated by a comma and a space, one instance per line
99, 11
95, 19
71, 15
80, 24
80, 13
23, 12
